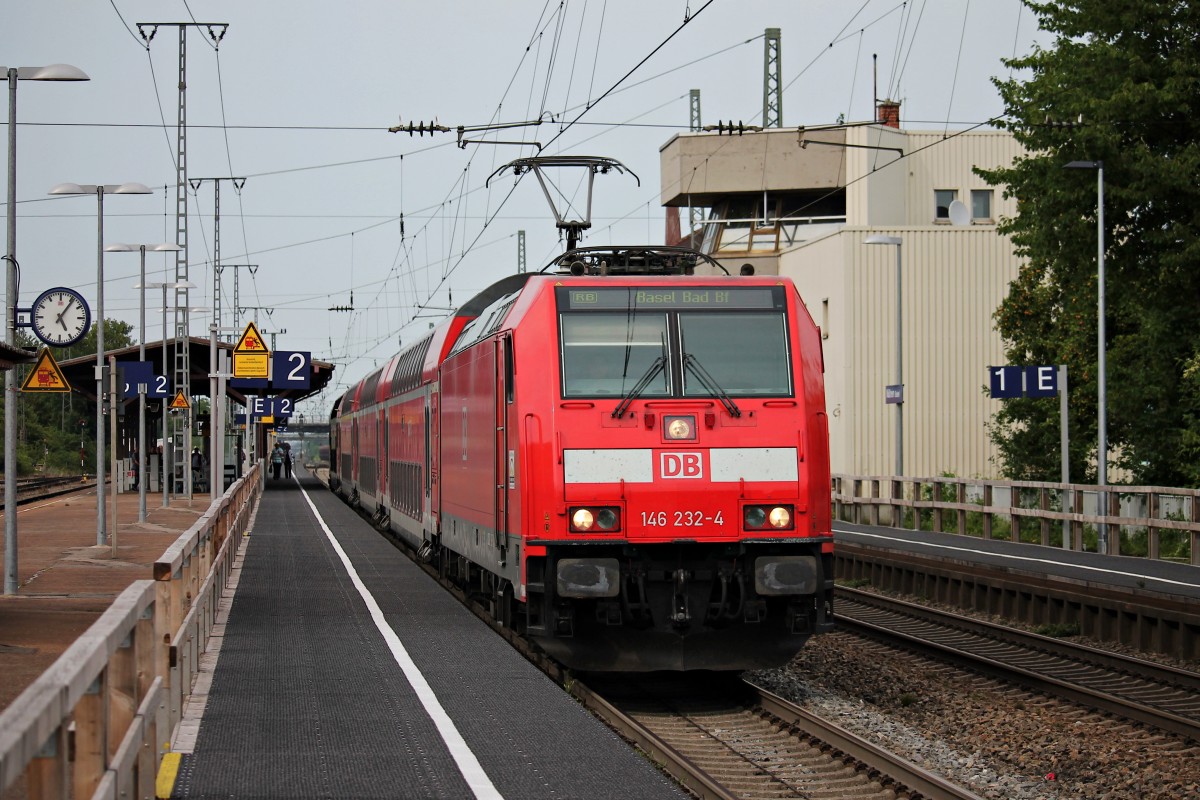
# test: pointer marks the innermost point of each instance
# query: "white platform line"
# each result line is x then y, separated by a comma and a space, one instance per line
481, 785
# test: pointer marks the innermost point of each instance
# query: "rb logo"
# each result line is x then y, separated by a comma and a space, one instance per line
681, 465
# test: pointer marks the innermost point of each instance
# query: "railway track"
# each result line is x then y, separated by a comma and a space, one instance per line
31, 489
726, 740
723, 738
1134, 689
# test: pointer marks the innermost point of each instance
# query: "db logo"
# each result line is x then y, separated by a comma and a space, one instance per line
681, 465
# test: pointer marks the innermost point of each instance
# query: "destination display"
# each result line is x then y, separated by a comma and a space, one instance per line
671, 298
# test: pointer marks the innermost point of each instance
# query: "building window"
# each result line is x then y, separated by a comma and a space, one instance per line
942, 198
981, 205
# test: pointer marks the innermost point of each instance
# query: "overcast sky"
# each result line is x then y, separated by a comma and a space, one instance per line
298, 96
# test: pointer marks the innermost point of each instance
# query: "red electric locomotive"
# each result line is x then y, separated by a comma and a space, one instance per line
628, 460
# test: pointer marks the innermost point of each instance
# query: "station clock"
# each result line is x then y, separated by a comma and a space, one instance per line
60, 317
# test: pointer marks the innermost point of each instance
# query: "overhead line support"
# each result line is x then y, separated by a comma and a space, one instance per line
181, 436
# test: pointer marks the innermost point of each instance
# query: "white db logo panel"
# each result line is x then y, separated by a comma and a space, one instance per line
681, 465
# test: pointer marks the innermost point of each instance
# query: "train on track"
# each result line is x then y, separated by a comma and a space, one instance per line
627, 461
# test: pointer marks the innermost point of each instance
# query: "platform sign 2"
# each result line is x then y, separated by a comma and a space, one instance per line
1009, 382
137, 372
291, 369
281, 406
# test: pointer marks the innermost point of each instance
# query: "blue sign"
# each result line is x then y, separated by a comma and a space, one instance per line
1009, 382
258, 406
282, 406
1005, 382
893, 393
1041, 381
291, 369
249, 383
133, 373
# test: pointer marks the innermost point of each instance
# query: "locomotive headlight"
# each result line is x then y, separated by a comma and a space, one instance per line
757, 518
780, 517
583, 519
680, 427
599, 519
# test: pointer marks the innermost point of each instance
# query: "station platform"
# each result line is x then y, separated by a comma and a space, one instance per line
343, 670
65, 581
1119, 572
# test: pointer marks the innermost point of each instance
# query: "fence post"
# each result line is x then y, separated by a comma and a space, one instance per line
961, 493
1194, 516
987, 514
1154, 508
91, 737
1044, 522
49, 772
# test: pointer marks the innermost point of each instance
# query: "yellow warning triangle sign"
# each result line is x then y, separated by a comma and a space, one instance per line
251, 341
180, 401
45, 375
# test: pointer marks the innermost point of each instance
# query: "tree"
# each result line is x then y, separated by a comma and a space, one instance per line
1121, 85
48, 425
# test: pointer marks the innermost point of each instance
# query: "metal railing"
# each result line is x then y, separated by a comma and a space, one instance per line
1152, 521
93, 724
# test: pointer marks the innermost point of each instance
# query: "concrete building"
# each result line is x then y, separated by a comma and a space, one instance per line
801, 203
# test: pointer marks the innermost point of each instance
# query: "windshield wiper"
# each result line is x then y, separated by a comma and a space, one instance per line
710, 383
639, 387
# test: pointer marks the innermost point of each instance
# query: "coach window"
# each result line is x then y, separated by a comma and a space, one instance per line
607, 354
745, 353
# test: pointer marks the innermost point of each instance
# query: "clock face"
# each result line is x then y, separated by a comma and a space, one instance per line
60, 317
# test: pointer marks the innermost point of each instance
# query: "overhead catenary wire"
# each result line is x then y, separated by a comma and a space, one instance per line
403, 262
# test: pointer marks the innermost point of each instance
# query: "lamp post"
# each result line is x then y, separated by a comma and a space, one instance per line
1101, 391
167, 461
100, 190
54, 72
142, 248
896, 240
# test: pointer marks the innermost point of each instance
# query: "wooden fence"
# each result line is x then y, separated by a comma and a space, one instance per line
94, 723
1075, 516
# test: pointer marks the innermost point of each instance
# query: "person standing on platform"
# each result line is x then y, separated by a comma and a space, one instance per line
198, 477
276, 461
287, 460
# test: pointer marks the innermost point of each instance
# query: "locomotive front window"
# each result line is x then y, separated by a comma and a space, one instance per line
607, 354
746, 354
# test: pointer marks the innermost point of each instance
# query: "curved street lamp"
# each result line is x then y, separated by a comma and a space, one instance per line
99, 190
1101, 377
53, 72
142, 248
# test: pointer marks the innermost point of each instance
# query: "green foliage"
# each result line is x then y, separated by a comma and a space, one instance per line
857, 583
51, 427
1060, 630
1124, 77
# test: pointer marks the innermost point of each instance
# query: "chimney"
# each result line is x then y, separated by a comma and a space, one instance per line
888, 113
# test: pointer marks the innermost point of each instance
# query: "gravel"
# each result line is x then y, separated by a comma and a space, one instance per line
1002, 742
